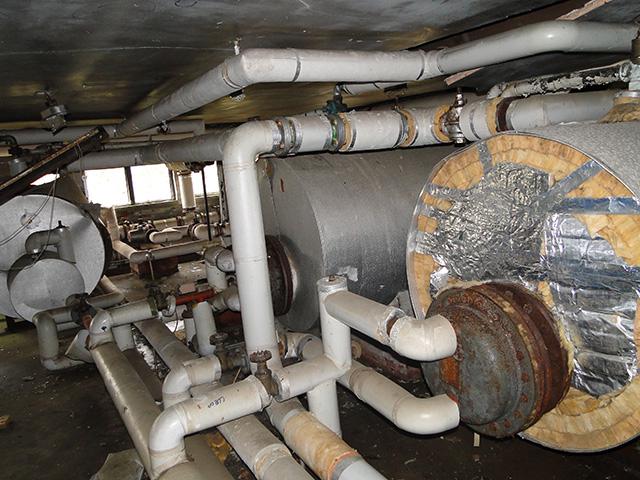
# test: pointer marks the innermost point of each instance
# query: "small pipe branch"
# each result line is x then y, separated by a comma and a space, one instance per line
423, 340
422, 416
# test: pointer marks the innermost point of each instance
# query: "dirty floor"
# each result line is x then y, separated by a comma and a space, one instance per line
64, 425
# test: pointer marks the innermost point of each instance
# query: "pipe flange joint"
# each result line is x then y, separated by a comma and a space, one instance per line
409, 131
288, 142
431, 64
337, 132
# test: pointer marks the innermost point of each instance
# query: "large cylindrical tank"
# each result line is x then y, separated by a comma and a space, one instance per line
530, 244
73, 249
345, 214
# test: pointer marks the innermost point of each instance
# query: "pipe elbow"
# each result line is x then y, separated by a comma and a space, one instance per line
100, 328
426, 416
175, 387
248, 141
423, 340
36, 242
261, 65
166, 441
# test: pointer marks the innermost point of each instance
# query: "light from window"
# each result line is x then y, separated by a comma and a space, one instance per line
151, 183
49, 177
211, 177
107, 187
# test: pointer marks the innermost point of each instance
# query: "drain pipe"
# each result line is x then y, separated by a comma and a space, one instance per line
292, 65
320, 449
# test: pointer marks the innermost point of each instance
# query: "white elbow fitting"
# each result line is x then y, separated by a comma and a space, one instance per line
100, 328
180, 380
423, 340
166, 441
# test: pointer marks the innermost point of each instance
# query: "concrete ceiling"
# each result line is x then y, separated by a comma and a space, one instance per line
107, 58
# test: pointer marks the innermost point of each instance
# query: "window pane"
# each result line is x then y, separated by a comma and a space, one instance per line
107, 187
211, 177
151, 183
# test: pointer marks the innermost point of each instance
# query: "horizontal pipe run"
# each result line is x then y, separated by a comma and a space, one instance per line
167, 235
304, 376
141, 256
166, 439
266, 456
422, 416
427, 340
36, 136
168, 347
138, 411
543, 37
105, 320
201, 149
293, 65
320, 449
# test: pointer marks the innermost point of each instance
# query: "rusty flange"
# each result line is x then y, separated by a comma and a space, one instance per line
510, 367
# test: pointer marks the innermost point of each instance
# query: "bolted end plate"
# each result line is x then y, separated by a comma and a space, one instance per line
510, 367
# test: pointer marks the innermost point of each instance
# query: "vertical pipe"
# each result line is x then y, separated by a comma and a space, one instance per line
185, 187
323, 403
247, 231
205, 327
123, 335
206, 202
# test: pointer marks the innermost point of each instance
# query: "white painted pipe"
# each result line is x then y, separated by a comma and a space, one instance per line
544, 110
261, 451
543, 37
77, 349
141, 256
320, 449
292, 65
104, 321
138, 411
190, 330
167, 235
422, 416
205, 327
48, 347
123, 336
304, 376
192, 373
171, 350
226, 300
216, 278
249, 249
36, 136
166, 439
202, 148
428, 340
185, 189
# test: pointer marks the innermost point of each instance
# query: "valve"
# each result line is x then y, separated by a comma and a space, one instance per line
263, 373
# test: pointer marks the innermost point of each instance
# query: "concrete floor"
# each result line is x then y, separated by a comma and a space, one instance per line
64, 425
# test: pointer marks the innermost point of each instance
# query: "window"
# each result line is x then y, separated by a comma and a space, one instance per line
107, 187
211, 177
151, 183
